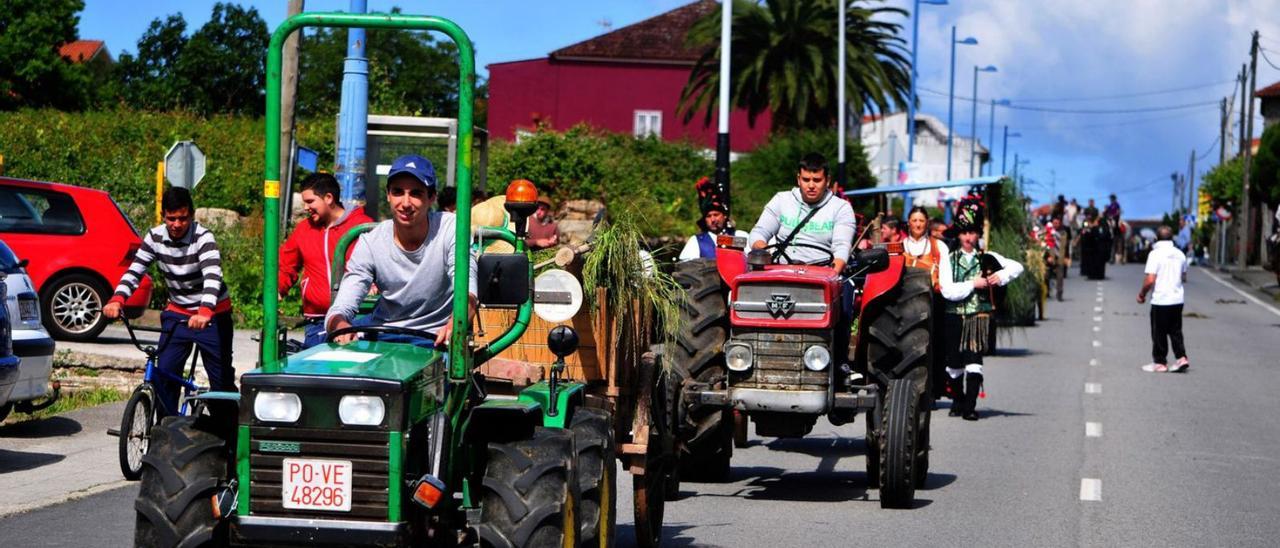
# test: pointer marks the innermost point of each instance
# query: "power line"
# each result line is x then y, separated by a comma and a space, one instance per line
1268, 59
1133, 110
1122, 95
1209, 149
1116, 123
1142, 186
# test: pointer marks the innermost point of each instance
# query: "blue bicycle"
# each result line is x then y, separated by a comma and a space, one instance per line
140, 411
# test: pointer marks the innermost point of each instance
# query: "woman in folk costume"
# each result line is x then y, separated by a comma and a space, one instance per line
974, 276
928, 253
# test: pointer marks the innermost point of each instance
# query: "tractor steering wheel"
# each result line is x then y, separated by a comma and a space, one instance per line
780, 250
383, 329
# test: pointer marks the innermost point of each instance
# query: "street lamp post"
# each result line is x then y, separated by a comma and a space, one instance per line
991, 131
1004, 150
911, 105
951, 95
973, 143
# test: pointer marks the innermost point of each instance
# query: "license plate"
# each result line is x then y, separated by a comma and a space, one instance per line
27, 310
316, 484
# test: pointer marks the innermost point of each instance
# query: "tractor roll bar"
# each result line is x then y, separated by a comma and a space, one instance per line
461, 362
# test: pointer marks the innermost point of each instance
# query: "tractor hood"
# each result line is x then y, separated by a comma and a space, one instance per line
786, 296
360, 359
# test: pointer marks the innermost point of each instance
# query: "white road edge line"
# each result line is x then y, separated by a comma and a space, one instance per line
1232, 287
1090, 489
1093, 429
1092, 388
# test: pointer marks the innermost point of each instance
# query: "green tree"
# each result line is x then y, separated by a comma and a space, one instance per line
150, 79
32, 73
410, 73
1222, 182
785, 62
1264, 173
219, 69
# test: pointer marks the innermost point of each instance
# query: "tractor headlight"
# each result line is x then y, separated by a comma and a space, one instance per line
737, 357
277, 407
361, 410
817, 358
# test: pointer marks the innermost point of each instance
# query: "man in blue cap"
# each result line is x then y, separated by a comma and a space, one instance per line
411, 259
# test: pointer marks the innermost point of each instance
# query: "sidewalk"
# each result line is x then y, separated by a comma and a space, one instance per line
1256, 278
114, 350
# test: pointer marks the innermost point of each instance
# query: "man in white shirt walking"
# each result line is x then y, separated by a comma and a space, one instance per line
1166, 271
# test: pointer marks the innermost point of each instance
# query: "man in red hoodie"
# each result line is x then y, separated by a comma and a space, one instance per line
311, 246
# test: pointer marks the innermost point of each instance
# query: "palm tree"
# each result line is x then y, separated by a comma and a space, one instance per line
784, 62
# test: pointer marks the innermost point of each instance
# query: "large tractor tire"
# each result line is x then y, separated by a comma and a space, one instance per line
899, 357
597, 486
705, 434
899, 440
185, 466
528, 497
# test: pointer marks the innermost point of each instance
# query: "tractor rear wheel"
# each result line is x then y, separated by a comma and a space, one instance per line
705, 433
185, 465
593, 440
528, 496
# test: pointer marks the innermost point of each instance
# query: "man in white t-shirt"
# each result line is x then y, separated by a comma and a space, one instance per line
1166, 271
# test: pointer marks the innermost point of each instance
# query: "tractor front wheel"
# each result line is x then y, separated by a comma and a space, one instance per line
528, 496
186, 464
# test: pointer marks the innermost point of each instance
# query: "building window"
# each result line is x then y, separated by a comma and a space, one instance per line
648, 122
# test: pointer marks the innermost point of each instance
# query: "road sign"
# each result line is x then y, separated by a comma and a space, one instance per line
184, 164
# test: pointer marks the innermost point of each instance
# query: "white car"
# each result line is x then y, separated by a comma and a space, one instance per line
31, 343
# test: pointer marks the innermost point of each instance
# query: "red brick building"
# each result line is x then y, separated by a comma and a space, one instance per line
626, 81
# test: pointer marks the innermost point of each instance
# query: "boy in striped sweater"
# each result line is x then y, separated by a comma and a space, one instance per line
199, 311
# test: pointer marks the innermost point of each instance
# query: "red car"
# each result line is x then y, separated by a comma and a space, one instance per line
79, 243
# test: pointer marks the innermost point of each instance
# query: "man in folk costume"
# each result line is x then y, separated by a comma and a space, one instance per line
970, 306
714, 222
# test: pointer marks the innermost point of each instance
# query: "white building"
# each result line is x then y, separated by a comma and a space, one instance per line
884, 139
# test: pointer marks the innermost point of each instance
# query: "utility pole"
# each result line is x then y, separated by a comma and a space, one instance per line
1191, 184
288, 97
1246, 216
1174, 177
1222, 135
722, 135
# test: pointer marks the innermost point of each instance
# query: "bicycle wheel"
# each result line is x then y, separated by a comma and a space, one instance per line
135, 432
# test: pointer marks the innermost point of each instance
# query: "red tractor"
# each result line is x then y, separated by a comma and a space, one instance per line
766, 342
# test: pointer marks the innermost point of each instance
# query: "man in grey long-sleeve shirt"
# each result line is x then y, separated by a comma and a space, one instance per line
832, 227
411, 259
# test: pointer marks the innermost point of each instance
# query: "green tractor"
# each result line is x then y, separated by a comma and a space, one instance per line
382, 443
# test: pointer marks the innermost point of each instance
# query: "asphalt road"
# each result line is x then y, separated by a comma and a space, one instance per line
1077, 447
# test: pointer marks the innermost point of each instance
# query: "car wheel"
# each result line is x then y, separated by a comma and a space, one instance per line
73, 307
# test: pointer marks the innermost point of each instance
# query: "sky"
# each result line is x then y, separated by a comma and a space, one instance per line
1148, 73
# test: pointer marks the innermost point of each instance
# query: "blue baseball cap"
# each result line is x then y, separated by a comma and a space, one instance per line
420, 168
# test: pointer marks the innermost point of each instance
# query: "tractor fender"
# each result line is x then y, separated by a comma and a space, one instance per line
881, 282
502, 421
731, 263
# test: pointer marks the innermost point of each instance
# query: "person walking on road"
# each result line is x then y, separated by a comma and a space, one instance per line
970, 308
1056, 243
199, 311
1166, 272
310, 249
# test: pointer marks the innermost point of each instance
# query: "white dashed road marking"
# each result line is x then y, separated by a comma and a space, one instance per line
1090, 489
1097, 328
1097, 318
1097, 309
1093, 429
1093, 362
1099, 299
1092, 388
1097, 344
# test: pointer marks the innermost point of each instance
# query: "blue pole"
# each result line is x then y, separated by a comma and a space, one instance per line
973, 142
991, 135
951, 102
1004, 152
911, 105
353, 115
